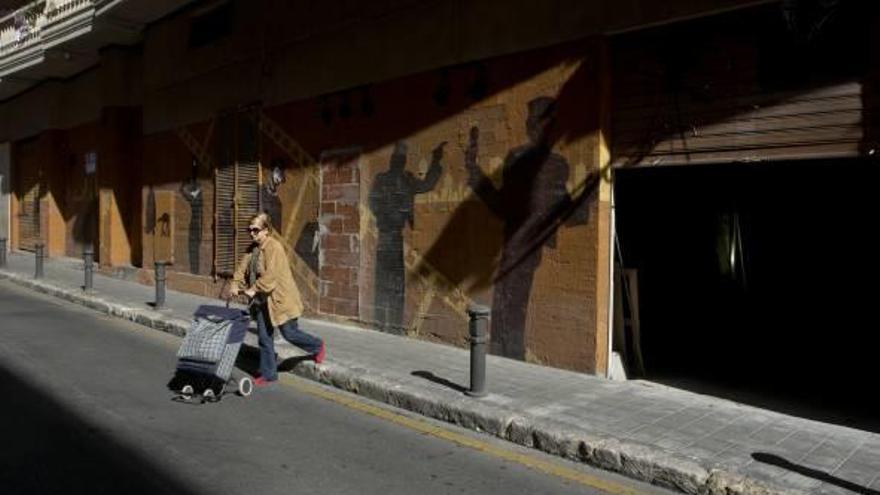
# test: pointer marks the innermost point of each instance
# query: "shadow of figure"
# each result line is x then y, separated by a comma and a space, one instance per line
150, 212
775, 460
530, 203
288, 364
392, 199
85, 225
192, 193
163, 225
431, 377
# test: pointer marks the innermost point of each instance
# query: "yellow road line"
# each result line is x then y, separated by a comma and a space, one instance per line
424, 427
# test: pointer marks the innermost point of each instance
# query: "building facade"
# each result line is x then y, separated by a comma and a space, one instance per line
417, 157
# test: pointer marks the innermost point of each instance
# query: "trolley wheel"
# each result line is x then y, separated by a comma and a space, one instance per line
187, 390
245, 386
208, 394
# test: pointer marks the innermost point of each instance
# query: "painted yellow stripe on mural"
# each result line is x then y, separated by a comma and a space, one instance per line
198, 150
455, 298
284, 141
424, 304
422, 426
208, 134
301, 159
297, 205
305, 163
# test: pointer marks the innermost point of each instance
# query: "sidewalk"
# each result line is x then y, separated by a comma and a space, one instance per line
689, 442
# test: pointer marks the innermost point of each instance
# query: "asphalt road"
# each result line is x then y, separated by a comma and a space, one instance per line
85, 409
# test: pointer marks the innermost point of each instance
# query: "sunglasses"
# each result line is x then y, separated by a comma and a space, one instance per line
254, 230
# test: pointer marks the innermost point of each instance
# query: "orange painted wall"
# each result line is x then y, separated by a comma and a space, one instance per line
453, 243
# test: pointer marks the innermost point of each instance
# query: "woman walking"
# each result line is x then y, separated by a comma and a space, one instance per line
264, 276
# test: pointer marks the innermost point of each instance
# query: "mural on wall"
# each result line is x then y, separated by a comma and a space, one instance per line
150, 212
269, 192
391, 200
192, 193
305, 253
307, 245
530, 202
163, 225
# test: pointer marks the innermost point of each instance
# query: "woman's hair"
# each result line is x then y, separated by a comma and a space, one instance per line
264, 221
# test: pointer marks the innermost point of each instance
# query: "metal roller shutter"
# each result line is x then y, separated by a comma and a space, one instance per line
237, 187
733, 89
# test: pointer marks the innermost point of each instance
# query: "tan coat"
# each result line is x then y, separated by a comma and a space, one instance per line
274, 280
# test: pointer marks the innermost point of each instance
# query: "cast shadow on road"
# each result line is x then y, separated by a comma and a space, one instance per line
427, 375
247, 361
49, 449
822, 476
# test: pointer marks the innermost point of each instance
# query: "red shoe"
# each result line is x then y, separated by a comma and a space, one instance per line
261, 382
319, 357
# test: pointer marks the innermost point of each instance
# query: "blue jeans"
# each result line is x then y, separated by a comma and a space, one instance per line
291, 333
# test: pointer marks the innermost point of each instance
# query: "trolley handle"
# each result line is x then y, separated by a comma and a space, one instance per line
224, 295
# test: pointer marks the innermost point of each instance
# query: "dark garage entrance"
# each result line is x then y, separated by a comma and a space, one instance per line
758, 282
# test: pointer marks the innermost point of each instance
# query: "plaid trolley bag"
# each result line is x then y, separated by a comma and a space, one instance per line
207, 356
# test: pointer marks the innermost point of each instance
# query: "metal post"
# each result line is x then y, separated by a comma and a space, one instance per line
88, 268
478, 327
38, 259
160, 284
2, 252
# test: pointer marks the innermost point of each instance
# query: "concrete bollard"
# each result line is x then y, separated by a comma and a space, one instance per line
88, 268
478, 327
38, 260
2, 252
160, 284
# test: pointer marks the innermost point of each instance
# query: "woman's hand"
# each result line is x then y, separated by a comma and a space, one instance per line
234, 291
250, 293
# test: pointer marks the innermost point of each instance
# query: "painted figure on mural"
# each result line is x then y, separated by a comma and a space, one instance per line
531, 201
392, 200
269, 192
192, 193
307, 245
150, 212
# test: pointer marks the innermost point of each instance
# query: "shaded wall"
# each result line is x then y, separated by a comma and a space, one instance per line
287, 51
401, 232
88, 179
5, 188
80, 204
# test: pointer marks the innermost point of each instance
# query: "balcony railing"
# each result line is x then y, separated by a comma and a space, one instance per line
24, 28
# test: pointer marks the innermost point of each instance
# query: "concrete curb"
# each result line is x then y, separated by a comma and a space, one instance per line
642, 462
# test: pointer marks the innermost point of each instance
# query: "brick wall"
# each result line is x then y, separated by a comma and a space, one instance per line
340, 228
379, 177
405, 251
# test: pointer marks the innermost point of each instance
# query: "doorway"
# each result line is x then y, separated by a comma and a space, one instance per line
755, 281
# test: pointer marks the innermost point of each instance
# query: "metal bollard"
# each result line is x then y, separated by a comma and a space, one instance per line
88, 268
38, 260
478, 327
2, 252
160, 284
